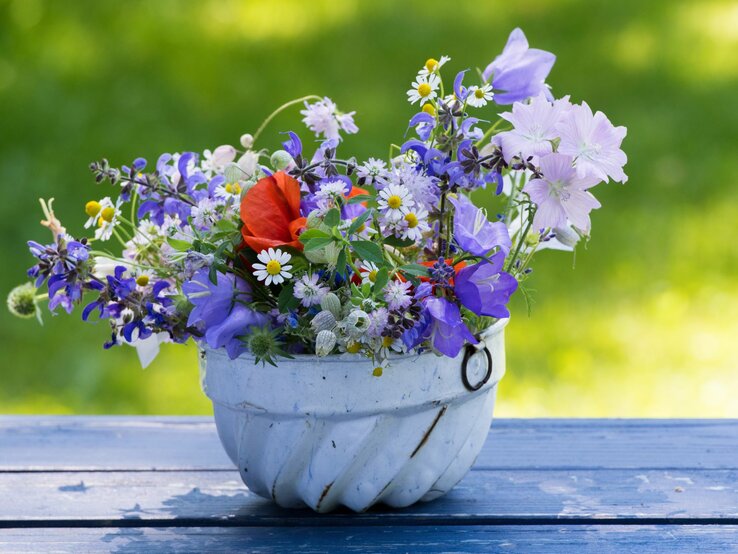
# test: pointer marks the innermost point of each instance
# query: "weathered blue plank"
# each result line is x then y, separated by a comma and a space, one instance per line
170, 443
208, 497
585, 539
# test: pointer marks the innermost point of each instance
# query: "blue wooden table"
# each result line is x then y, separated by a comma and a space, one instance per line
143, 484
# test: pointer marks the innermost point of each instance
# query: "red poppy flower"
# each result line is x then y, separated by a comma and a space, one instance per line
270, 212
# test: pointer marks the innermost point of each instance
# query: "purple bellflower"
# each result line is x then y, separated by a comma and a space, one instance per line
519, 72
219, 310
474, 233
484, 288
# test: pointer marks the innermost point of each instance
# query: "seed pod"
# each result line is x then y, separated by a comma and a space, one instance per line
281, 159
357, 323
567, 236
323, 321
325, 342
331, 303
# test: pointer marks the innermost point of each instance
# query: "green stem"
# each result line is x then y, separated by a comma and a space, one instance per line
489, 132
521, 240
279, 110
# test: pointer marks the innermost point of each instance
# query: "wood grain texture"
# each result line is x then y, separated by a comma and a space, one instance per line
580, 539
164, 484
186, 443
483, 497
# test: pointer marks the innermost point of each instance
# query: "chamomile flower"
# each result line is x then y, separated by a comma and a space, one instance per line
309, 291
432, 65
414, 224
394, 200
479, 96
397, 295
229, 191
423, 88
390, 345
94, 210
368, 272
373, 172
107, 220
274, 267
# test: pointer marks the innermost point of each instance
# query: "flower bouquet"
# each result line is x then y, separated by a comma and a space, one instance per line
349, 313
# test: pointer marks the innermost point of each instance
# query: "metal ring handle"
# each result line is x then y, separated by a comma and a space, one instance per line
468, 353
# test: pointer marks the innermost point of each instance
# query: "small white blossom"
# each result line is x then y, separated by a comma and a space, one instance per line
368, 272
414, 224
205, 213
397, 295
393, 200
274, 267
433, 66
423, 88
479, 96
309, 291
373, 171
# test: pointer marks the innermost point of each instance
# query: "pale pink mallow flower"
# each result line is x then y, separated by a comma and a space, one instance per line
561, 194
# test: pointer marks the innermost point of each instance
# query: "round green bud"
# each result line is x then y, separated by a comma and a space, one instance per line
532, 239
332, 303
22, 301
280, 160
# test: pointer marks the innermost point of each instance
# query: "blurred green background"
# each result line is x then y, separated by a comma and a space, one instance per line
645, 325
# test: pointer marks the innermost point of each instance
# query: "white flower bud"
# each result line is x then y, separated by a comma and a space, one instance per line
281, 159
566, 236
247, 141
332, 303
356, 323
249, 164
325, 342
233, 173
224, 154
323, 321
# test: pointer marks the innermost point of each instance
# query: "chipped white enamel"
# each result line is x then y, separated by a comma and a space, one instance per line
324, 432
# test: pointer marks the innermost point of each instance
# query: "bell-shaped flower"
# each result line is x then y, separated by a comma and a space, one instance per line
474, 233
484, 288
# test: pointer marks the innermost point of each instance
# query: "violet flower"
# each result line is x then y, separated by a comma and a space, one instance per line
519, 72
534, 128
474, 233
594, 142
219, 310
561, 194
484, 288
447, 331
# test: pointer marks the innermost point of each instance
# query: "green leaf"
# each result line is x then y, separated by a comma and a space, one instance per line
359, 221
226, 225
381, 280
415, 269
179, 245
317, 243
312, 234
368, 251
341, 263
398, 242
332, 218
359, 198
213, 274
286, 300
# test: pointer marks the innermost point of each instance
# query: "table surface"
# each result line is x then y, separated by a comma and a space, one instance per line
149, 484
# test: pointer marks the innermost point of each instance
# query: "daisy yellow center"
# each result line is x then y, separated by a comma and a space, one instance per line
142, 280
387, 342
273, 267
372, 275
92, 208
412, 220
394, 201
479, 93
424, 89
377, 371
353, 348
233, 188
429, 109
431, 64
107, 214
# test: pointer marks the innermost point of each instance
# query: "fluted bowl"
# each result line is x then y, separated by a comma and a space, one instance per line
325, 432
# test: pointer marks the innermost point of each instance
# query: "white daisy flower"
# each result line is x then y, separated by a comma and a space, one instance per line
373, 172
393, 200
423, 88
414, 224
368, 272
309, 291
432, 65
229, 191
108, 219
94, 210
391, 346
479, 96
274, 267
